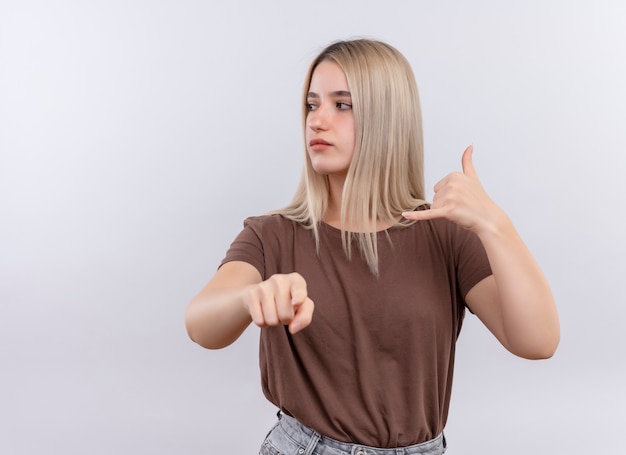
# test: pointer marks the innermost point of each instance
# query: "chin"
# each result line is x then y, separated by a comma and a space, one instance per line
326, 169
329, 172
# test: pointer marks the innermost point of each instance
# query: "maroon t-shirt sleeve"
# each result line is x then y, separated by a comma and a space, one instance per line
247, 247
471, 261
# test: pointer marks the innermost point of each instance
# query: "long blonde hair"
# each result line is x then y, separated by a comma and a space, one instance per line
386, 174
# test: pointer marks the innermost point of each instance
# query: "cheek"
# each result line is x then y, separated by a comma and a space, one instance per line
351, 129
348, 130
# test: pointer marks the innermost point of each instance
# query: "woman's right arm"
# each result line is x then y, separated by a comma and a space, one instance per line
237, 296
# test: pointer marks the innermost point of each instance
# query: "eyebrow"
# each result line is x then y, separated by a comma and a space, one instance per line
336, 94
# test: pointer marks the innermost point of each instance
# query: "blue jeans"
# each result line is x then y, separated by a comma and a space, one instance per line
290, 437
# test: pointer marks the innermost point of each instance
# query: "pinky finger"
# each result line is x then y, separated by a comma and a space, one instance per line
421, 215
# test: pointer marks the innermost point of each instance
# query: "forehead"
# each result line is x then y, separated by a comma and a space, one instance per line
328, 77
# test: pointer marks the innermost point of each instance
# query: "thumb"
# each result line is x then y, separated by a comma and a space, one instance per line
466, 161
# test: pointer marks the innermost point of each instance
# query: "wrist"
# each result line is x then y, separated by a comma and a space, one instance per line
497, 226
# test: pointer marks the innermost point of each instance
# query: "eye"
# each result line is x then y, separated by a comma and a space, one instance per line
310, 107
343, 106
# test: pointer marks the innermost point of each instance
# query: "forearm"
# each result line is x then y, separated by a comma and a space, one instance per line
516, 304
216, 318
528, 311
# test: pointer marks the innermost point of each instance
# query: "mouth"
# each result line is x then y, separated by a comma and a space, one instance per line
317, 142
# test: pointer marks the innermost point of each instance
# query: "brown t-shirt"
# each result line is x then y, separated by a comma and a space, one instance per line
375, 365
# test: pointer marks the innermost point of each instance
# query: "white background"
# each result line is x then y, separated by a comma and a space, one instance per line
135, 137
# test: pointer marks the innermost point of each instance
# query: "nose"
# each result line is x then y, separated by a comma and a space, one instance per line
318, 119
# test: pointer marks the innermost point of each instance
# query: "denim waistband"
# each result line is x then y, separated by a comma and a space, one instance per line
312, 442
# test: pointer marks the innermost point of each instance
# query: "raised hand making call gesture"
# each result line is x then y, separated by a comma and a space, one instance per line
461, 198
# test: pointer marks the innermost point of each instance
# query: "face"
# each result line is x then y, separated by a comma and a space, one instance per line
330, 131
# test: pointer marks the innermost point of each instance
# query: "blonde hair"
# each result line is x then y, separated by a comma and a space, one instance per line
386, 175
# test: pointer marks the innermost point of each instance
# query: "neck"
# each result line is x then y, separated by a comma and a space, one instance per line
332, 216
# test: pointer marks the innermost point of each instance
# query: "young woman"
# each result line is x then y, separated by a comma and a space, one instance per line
359, 286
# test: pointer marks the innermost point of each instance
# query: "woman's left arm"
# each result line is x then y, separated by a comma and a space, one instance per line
515, 303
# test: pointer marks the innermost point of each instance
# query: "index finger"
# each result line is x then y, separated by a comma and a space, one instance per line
297, 290
303, 317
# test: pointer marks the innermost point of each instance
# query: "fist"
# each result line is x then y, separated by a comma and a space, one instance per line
281, 299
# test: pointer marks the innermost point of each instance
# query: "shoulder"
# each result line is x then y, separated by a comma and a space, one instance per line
262, 237
440, 228
268, 222
451, 238
272, 227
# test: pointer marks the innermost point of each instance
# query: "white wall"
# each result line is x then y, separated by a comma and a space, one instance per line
135, 136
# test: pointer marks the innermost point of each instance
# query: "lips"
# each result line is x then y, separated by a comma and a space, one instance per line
318, 141
319, 145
